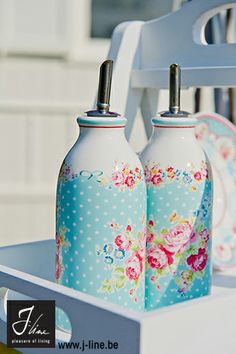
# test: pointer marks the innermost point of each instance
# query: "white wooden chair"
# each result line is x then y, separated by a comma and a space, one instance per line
143, 51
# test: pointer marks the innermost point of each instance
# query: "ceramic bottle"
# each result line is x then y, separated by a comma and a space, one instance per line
101, 209
179, 208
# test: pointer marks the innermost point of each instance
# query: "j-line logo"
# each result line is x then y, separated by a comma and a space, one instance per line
31, 324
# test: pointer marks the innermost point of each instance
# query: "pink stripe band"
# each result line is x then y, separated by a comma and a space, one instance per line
176, 126
101, 126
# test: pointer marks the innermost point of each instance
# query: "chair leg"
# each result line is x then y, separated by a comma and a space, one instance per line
149, 108
125, 52
133, 102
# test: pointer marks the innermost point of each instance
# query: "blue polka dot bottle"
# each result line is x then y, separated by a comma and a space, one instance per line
179, 209
101, 214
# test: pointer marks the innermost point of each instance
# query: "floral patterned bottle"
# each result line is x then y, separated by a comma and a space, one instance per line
179, 209
101, 210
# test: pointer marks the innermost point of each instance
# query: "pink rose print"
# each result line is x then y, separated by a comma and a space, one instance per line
61, 242
150, 237
138, 173
171, 246
119, 241
142, 245
159, 257
58, 259
58, 266
147, 175
197, 176
178, 237
170, 172
126, 177
205, 173
151, 223
205, 234
128, 228
156, 176
130, 181
198, 261
156, 179
131, 292
134, 266
57, 240
193, 237
122, 242
66, 173
129, 246
118, 178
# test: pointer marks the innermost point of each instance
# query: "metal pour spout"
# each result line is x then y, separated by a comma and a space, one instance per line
174, 87
174, 93
104, 86
104, 91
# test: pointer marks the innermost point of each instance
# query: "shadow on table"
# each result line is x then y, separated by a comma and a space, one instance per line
224, 280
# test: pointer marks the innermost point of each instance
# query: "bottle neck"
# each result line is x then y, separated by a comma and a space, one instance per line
101, 127
174, 128
102, 132
174, 132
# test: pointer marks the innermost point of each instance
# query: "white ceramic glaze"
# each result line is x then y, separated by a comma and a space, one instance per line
179, 202
101, 216
101, 144
173, 144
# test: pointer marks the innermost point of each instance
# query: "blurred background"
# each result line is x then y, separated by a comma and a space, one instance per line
50, 53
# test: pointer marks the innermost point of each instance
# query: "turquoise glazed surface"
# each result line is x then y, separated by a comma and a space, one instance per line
217, 135
99, 122
179, 228
173, 122
101, 222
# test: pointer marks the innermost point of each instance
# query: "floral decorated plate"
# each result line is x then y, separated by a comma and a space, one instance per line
218, 138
